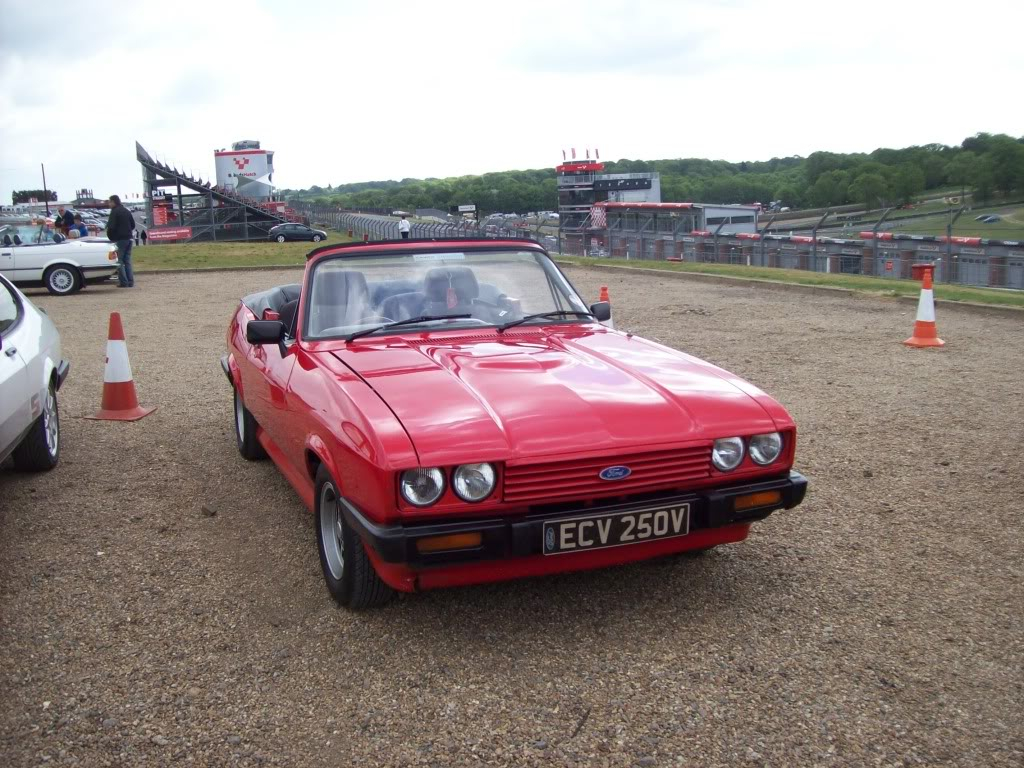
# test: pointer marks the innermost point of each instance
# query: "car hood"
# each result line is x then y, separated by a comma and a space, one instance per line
497, 397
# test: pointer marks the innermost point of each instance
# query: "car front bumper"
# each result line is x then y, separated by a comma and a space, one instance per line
522, 537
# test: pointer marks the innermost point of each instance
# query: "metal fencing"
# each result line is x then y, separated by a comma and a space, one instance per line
981, 266
368, 226
973, 264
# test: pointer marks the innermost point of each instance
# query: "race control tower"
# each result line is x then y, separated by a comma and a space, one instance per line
246, 169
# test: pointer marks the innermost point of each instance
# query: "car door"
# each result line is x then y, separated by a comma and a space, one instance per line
15, 397
265, 385
31, 256
7, 261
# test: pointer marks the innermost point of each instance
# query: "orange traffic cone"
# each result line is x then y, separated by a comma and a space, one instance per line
603, 296
119, 400
925, 333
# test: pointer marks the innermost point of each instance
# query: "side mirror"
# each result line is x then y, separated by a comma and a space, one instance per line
264, 332
602, 310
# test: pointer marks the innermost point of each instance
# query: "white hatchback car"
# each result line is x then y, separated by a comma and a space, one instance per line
31, 372
29, 257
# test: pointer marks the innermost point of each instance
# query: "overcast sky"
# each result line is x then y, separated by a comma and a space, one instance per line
356, 91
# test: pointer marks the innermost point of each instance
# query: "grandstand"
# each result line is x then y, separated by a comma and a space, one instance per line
183, 208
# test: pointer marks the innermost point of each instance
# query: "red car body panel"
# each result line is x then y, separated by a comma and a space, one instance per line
548, 391
372, 407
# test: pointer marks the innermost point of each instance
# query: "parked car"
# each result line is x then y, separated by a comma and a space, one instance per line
29, 257
31, 372
283, 232
454, 412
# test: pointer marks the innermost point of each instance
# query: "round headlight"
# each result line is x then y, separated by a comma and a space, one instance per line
764, 449
473, 482
422, 487
727, 453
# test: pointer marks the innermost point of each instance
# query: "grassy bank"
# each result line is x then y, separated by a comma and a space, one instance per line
872, 285
219, 255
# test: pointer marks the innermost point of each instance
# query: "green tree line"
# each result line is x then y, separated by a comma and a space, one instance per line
984, 164
24, 195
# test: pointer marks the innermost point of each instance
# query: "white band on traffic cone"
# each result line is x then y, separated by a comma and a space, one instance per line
118, 368
926, 306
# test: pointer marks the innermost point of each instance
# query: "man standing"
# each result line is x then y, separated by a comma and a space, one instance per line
119, 231
403, 228
63, 221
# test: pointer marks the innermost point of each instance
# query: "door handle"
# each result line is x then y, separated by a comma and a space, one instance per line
11, 351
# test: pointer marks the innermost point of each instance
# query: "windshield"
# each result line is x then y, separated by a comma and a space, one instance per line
435, 290
25, 234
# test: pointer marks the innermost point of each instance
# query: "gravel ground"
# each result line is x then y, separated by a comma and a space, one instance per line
162, 602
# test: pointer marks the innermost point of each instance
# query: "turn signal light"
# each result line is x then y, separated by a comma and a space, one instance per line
452, 541
751, 500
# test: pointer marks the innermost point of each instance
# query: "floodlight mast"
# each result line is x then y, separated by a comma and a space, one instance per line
814, 237
46, 193
949, 239
763, 234
874, 235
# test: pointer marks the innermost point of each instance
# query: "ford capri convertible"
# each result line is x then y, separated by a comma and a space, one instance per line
454, 412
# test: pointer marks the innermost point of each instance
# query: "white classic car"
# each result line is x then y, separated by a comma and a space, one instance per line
29, 256
31, 372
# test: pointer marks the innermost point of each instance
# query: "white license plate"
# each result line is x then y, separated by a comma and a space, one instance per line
615, 529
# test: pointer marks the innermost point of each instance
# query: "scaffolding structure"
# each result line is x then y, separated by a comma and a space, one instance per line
183, 208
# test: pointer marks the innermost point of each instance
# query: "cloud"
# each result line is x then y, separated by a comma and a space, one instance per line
412, 89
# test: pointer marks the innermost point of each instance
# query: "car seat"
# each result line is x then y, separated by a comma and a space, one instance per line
287, 315
450, 291
17, 240
340, 298
402, 306
7, 240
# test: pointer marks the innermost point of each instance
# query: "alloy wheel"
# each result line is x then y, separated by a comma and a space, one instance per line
332, 531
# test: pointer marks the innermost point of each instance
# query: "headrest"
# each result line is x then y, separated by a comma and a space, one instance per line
340, 287
461, 279
7, 239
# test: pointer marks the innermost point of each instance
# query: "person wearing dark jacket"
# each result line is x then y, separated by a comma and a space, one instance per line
119, 231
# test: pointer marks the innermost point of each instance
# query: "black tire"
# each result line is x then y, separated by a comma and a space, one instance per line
62, 279
317, 238
280, 238
352, 582
39, 450
245, 432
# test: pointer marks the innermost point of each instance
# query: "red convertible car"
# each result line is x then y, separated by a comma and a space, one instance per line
453, 412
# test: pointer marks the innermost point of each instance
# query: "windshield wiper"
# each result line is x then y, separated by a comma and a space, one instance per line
556, 313
410, 321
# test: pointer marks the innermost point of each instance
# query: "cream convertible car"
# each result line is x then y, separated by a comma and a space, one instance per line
28, 259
